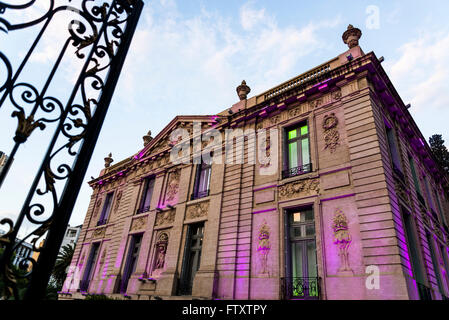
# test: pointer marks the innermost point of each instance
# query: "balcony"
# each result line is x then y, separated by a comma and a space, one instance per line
293, 288
199, 194
297, 171
101, 222
143, 209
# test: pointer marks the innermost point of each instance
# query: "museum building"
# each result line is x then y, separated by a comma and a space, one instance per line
355, 208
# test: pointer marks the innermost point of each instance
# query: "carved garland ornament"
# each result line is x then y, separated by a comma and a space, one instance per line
295, 188
166, 217
331, 135
97, 207
99, 233
139, 223
117, 200
342, 238
197, 210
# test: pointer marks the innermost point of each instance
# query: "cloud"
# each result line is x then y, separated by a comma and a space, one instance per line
205, 53
422, 73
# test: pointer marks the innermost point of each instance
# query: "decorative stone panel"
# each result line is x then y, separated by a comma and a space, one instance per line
197, 210
139, 223
165, 217
99, 233
299, 188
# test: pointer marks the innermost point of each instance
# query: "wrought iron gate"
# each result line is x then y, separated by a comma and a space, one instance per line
99, 33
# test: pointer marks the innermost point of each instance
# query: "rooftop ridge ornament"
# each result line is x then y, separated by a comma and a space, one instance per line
108, 160
147, 138
351, 36
243, 90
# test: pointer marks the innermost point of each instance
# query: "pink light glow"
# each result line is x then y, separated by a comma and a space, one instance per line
265, 210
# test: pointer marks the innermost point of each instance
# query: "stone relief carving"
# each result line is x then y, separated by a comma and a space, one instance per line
97, 206
336, 95
401, 192
166, 217
331, 135
139, 223
342, 238
82, 259
173, 185
117, 200
99, 232
316, 103
161, 250
103, 257
197, 210
265, 148
264, 246
294, 189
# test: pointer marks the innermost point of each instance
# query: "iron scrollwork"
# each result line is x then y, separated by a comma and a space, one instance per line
101, 32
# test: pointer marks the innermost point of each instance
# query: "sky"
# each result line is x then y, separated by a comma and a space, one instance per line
187, 58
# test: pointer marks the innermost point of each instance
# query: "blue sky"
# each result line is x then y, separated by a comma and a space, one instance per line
187, 57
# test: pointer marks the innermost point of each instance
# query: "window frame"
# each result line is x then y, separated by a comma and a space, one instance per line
144, 196
106, 210
301, 167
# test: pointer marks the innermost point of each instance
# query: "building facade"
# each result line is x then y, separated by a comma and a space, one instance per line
350, 204
71, 235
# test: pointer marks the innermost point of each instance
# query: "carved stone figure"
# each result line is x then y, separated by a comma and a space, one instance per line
161, 249
342, 238
264, 246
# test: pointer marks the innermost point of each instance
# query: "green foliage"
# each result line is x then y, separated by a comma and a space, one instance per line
440, 151
62, 263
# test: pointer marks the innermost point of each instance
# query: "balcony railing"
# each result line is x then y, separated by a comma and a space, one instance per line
297, 171
143, 209
424, 292
199, 194
101, 222
300, 288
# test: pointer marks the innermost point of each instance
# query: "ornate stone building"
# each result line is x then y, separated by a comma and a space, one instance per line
356, 208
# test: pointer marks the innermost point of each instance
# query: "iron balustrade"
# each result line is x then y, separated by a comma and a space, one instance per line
143, 209
297, 171
102, 222
97, 38
304, 288
199, 194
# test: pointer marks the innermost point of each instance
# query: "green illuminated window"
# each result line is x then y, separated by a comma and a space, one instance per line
298, 146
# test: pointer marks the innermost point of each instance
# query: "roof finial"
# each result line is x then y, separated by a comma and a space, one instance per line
351, 36
243, 90
108, 160
147, 138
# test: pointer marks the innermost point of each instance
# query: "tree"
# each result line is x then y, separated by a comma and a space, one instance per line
440, 151
62, 264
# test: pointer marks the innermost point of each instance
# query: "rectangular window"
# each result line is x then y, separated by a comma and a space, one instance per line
435, 262
146, 195
445, 265
394, 151
202, 181
415, 176
131, 261
302, 280
90, 267
412, 246
192, 257
298, 151
106, 209
440, 211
